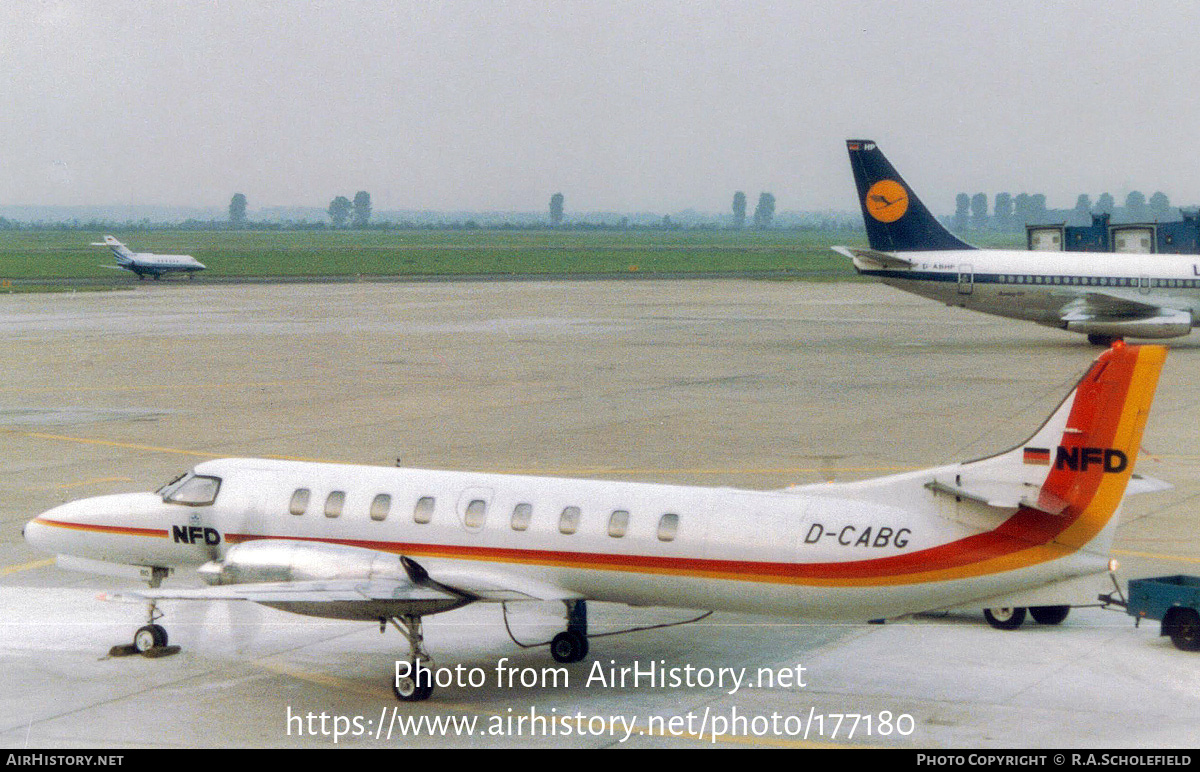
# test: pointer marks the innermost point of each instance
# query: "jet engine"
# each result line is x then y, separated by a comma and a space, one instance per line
1168, 325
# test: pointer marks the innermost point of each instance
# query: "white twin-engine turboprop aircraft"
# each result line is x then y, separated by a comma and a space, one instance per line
1025, 528
1105, 296
147, 263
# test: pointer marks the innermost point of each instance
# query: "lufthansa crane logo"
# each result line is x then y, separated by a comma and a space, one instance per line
887, 201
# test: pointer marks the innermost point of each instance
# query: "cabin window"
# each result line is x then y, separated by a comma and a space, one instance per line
380, 506
668, 526
522, 514
334, 502
299, 501
423, 511
618, 523
195, 491
568, 521
476, 514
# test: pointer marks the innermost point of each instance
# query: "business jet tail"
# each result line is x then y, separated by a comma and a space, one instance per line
896, 219
122, 253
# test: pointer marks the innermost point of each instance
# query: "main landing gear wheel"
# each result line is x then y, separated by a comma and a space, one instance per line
413, 689
571, 645
417, 684
1102, 340
1005, 618
1049, 615
568, 646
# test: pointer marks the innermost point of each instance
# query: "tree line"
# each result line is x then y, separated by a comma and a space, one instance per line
1013, 213
764, 213
343, 212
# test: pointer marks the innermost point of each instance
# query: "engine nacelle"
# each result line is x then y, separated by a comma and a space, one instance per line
277, 560
1173, 325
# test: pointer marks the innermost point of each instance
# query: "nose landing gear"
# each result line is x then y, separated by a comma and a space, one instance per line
151, 639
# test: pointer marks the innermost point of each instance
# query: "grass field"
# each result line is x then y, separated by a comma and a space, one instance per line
44, 258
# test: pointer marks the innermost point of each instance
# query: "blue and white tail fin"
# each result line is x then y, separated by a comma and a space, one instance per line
121, 252
896, 219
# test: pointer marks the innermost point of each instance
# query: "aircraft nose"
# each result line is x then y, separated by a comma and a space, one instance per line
36, 534
56, 529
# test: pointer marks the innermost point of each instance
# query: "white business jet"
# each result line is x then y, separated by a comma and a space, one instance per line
147, 263
1106, 296
1030, 527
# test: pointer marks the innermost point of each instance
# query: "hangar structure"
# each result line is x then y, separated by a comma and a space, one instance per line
1179, 237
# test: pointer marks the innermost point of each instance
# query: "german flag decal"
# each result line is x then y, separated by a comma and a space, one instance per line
1037, 456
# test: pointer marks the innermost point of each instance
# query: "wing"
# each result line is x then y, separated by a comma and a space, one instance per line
370, 599
873, 258
1103, 307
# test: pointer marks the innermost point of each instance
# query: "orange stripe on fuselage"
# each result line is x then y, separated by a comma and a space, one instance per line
109, 529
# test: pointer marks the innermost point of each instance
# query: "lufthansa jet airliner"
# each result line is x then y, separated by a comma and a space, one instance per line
1105, 296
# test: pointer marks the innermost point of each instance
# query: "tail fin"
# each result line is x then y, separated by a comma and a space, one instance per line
123, 253
896, 219
1052, 498
1068, 480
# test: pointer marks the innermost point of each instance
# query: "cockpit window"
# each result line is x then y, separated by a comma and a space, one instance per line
193, 490
171, 485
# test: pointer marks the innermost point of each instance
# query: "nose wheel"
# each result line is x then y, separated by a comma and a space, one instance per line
149, 637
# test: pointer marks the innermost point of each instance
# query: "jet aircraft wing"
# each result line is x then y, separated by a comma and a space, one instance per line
882, 259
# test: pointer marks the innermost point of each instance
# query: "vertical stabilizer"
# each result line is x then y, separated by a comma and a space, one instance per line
896, 219
1076, 468
121, 252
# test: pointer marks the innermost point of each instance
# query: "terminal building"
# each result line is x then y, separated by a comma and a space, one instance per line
1178, 237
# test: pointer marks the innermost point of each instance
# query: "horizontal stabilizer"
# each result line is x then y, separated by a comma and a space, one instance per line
875, 257
1003, 494
1141, 484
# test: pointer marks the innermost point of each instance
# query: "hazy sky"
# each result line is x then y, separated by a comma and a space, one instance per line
639, 106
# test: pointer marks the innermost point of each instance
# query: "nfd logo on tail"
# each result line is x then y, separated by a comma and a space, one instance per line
1079, 459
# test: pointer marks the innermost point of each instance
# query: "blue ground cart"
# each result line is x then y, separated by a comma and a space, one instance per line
1175, 600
